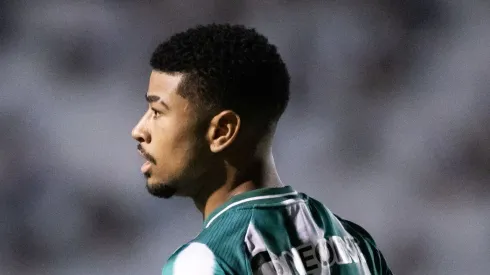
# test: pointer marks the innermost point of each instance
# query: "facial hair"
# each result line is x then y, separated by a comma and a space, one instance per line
179, 183
161, 190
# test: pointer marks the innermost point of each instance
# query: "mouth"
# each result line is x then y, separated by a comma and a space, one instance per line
147, 165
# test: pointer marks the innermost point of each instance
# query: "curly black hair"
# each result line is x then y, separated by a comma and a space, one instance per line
227, 67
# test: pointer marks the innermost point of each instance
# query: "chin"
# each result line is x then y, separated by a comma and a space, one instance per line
161, 190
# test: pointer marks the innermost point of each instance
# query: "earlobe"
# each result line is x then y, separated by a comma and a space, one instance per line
223, 130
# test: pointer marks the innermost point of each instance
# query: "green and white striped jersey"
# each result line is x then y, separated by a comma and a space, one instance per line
277, 231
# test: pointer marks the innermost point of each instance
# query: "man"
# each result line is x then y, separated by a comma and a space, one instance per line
215, 95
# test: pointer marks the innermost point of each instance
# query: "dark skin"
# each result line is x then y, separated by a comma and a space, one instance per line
209, 158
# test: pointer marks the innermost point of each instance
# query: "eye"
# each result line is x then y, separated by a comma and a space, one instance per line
155, 113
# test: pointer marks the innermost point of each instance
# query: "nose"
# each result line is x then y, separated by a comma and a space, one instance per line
140, 133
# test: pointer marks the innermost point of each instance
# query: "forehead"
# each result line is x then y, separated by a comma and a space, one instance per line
164, 85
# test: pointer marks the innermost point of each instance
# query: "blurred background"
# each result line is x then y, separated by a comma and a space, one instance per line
388, 125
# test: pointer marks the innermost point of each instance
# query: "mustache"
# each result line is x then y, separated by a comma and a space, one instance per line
146, 155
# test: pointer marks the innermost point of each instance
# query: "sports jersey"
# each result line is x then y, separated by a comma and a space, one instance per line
277, 231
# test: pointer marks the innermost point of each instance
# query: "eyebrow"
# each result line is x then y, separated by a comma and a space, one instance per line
154, 98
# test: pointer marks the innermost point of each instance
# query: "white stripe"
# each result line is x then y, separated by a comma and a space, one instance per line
291, 201
298, 264
197, 258
253, 240
247, 200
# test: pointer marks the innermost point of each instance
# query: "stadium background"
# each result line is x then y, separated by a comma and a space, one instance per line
388, 125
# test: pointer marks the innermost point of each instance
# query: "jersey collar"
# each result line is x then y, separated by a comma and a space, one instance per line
250, 196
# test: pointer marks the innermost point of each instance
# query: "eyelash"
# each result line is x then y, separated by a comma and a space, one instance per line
156, 113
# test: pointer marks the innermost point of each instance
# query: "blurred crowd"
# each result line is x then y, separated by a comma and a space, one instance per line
388, 125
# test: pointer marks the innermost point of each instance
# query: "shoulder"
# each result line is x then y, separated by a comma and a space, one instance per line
356, 230
193, 258
374, 258
363, 240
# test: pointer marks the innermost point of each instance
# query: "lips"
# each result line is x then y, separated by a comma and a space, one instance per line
147, 165
143, 155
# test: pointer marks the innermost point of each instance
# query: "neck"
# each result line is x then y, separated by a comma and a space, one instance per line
260, 174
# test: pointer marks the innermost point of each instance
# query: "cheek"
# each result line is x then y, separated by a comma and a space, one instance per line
175, 144
190, 154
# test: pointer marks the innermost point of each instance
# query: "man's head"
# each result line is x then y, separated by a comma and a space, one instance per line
215, 91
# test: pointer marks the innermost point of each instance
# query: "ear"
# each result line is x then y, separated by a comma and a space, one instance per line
223, 130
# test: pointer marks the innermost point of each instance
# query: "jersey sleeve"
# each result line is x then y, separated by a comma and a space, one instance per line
193, 259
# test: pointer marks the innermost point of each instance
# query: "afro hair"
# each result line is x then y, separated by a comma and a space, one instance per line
227, 67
